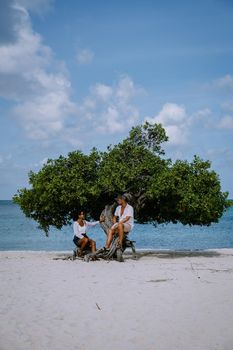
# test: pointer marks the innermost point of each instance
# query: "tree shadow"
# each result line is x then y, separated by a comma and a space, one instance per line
170, 254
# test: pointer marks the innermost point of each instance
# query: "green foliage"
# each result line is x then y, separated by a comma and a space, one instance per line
161, 191
61, 187
189, 193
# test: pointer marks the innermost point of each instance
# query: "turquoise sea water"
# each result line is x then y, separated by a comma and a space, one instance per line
19, 233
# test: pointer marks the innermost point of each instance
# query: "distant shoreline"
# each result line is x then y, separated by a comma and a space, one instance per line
168, 253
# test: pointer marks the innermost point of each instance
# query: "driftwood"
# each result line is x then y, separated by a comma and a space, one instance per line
107, 213
115, 252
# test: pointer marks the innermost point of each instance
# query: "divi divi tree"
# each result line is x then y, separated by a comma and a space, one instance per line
160, 190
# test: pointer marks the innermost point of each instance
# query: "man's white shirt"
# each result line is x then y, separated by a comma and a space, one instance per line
128, 211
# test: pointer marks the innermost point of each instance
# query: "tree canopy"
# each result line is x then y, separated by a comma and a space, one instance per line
161, 191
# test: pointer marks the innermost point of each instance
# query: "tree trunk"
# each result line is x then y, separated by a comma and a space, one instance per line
108, 213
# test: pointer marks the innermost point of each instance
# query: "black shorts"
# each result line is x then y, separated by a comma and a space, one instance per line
76, 239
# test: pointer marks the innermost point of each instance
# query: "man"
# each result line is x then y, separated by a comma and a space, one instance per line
125, 215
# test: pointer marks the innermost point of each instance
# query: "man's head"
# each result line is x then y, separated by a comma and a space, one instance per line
122, 199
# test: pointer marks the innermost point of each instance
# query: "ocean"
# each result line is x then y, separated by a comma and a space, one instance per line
19, 233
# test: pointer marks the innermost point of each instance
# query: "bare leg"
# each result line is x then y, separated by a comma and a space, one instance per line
93, 245
109, 239
121, 233
83, 243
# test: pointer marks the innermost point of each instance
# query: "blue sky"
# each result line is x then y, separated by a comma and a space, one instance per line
78, 74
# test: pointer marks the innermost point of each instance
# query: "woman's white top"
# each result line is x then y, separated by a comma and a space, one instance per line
79, 230
128, 211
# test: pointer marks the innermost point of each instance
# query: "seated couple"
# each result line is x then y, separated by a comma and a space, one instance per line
124, 213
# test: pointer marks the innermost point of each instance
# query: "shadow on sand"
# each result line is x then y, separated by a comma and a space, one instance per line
161, 254
169, 254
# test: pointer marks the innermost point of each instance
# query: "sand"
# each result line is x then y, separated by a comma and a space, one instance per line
158, 302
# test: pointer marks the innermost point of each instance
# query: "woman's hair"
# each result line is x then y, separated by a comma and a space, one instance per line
125, 198
122, 196
77, 213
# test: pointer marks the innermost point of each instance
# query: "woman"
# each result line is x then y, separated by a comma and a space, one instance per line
80, 227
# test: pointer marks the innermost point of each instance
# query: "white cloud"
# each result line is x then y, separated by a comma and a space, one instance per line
176, 122
111, 107
4, 159
41, 162
85, 56
202, 118
202, 113
126, 89
28, 76
48, 111
227, 106
38, 6
112, 121
221, 157
179, 124
101, 91
226, 123
225, 82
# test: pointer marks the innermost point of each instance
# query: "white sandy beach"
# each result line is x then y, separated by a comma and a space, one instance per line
159, 302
